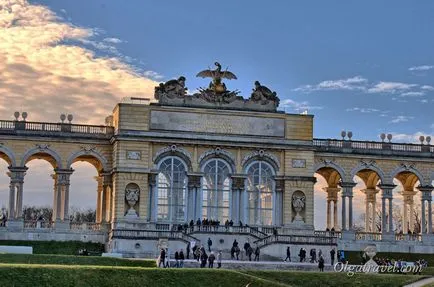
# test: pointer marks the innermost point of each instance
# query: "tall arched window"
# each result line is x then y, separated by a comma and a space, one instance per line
260, 193
216, 185
171, 190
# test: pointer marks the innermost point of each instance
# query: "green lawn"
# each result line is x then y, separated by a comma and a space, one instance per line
57, 247
316, 279
73, 260
57, 275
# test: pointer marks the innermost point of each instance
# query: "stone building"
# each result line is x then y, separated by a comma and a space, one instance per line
219, 156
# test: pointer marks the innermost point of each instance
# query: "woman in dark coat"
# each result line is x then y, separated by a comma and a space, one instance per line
321, 264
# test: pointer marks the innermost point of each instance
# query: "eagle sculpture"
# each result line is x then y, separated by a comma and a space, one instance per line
217, 75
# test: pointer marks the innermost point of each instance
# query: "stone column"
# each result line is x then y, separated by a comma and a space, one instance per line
153, 196
426, 197
16, 175
194, 181
280, 189
106, 196
332, 198
404, 218
53, 216
62, 182
386, 194
370, 214
423, 219
99, 202
238, 206
347, 192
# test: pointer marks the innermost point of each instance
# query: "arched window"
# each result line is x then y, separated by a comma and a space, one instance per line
171, 190
216, 185
260, 193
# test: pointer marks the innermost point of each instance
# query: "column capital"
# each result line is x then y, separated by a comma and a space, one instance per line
194, 180
332, 193
347, 188
280, 183
387, 190
347, 184
426, 188
17, 173
238, 181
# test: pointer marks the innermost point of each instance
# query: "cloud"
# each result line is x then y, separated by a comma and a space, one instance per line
409, 138
354, 83
113, 40
46, 71
401, 119
421, 68
412, 94
427, 88
298, 106
153, 75
363, 110
390, 87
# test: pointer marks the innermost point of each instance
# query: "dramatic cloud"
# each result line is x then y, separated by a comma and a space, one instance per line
421, 68
49, 67
401, 119
298, 106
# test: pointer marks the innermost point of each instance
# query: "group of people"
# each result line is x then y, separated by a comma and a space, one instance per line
248, 249
164, 258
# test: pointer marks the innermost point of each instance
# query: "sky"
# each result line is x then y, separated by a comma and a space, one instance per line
360, 66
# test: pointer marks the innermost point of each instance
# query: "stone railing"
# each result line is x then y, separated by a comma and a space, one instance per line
90, 226
335, 145
408, 237
296, 239
35, 224
373, 236
151, 234
336, 234
254, 231
12, 127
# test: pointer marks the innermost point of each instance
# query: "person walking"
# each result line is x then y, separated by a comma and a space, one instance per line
211, 259
188, 250
176, 259
257, 251
219, 259
162, 257
181, 259
209, 244
332, 256
321, 264
288, 254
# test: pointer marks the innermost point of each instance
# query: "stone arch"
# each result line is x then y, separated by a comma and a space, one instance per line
217, 153
173, 150
38, 152
261, 155
9, 156
369, 166
89, 155
408, 175
331, 171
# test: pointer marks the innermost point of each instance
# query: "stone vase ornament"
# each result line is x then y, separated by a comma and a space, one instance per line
371, 266
298, 204
132, 193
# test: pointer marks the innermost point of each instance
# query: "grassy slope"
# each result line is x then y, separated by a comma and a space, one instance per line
73, 260
57, 247
50, 275
315, 279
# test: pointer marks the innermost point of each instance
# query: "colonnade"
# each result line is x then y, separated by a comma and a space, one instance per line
346, 189
61, 193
